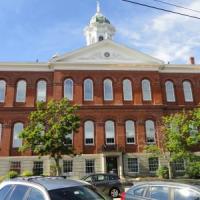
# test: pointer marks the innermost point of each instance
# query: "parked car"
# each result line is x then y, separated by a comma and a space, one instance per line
47, 188
109, 184
162, 191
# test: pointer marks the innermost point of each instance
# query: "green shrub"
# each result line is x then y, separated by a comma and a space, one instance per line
11, 174
163, 172
193, 169
27, 173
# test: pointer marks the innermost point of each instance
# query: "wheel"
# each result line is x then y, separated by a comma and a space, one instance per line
114, 192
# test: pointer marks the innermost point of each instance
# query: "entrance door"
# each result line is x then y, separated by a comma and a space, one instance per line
111, 165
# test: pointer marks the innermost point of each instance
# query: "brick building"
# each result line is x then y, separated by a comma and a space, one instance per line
122, 94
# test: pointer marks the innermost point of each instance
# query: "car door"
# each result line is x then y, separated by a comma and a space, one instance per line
158, 192
35, 194
5, 191
18, 193
137, 193
185, 194
100, 182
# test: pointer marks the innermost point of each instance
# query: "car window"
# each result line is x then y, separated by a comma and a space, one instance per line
113, 177
100, 178
19, 192
158, 192
88, 179
186, 194
139, 191
75, 193
35, 194
4, 191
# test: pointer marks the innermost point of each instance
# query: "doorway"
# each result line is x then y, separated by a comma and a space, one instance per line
111, 165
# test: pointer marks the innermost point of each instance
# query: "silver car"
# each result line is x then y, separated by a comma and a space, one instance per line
47, 188
162, 191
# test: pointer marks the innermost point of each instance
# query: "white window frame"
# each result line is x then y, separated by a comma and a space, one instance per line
147, 131
128, 133
70, 136
91, 166
89, 135
68, 165
127, 90
108, 90
69, 88
169, 91
42, 97
146, 90
111, 132
17, 142
137, 166
21, 91
187, 90
2, 90
88, 87
152, 164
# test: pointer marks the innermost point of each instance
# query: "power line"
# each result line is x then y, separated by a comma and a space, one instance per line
178, 6
162, 9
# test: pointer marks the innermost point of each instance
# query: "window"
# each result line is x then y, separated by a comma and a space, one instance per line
67, 166
35, 194
153, 164
19, 192
37, 168
18, 128
185, 194
1, 131
133, 165
15, 166
159, 192
130, 132
21, 91
68, 89
41, 90
69, 139
169, 89
187, 90
2, 91
110, 132
179, 165
146, 90
108, 90
88, 90
100, 38
5, 190
127, 90
150, 131
89, 166
139, 191
89, 132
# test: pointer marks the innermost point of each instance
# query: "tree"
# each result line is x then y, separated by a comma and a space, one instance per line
180, 134
47, 130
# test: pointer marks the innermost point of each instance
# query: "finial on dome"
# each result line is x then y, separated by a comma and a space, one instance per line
98, 7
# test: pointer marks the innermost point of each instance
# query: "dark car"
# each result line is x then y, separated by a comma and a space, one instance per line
162, 191
109, 184
43, 188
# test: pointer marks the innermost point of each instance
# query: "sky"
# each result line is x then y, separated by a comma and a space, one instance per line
33, 30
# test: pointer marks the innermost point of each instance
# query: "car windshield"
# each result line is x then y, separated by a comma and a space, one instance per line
75, 193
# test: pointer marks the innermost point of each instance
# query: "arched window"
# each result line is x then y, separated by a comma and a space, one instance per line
42, 90
68, 89
130, 131
108, 90
21, 91
2, 90
1, 131
146, 90
187, 90
88, 90
150, 131
127, 90
110, 132
17, 142
89, 132
169, 89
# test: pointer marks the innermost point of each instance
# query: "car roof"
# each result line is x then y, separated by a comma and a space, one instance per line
49, 183
167, 183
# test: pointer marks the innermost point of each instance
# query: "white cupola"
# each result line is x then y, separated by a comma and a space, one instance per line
99, 28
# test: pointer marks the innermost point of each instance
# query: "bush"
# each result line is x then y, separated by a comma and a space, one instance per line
11, 174
193, 169
27, 173
163, 172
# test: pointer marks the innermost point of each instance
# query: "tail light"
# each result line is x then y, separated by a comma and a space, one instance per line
123, 196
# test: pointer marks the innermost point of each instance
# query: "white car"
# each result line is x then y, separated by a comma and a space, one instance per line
47, 188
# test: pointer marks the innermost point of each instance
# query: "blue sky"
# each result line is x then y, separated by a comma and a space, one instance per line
37, 29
